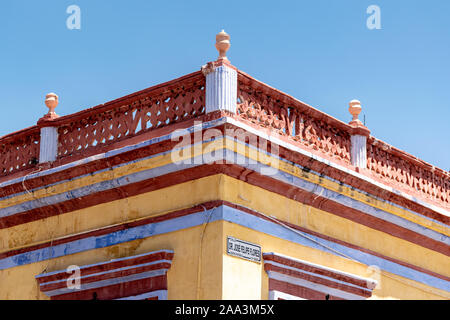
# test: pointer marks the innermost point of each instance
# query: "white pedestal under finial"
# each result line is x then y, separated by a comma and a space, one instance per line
221, 89
48, 145
359, 151
360, 133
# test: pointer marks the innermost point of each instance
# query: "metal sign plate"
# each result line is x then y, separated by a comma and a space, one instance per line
243, 249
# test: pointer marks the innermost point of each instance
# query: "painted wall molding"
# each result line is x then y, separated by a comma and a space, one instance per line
137, 277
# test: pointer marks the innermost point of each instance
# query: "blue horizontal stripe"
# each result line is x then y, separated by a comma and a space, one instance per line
221, 213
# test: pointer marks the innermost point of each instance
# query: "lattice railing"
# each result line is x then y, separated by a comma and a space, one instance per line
19, 152
257, 104
434, 183
302, 124
149, 111
263, 108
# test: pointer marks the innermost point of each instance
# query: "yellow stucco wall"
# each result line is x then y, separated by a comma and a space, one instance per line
221, 187
229, 145
20, 283
239, 271
221, 276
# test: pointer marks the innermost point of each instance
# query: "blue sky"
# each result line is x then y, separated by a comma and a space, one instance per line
320, 52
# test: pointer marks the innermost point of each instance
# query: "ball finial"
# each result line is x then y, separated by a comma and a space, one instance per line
355, 109
222, 44
51, 101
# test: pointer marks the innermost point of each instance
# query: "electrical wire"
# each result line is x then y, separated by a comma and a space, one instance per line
205, 223
307, 237
42, 200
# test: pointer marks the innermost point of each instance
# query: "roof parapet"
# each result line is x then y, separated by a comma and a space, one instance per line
225, 89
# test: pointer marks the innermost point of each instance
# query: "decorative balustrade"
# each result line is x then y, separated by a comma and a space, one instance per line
19, 151
257, 104
267, 107
291, 118
133, 116
149, 109
397, 167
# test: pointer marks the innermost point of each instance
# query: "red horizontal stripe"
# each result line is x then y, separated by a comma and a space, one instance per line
299, 291
287, 154
108, 230
237, 172
333, 207
96, 165
109, 195
113, 275
103, 267
84, 279
117, 291
201, 207
318, 280
320, 271
209, 205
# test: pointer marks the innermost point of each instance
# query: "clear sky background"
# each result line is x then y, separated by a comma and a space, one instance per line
320, 52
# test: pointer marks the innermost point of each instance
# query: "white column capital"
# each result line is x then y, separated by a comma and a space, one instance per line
221, 87
48, 147
359, 151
